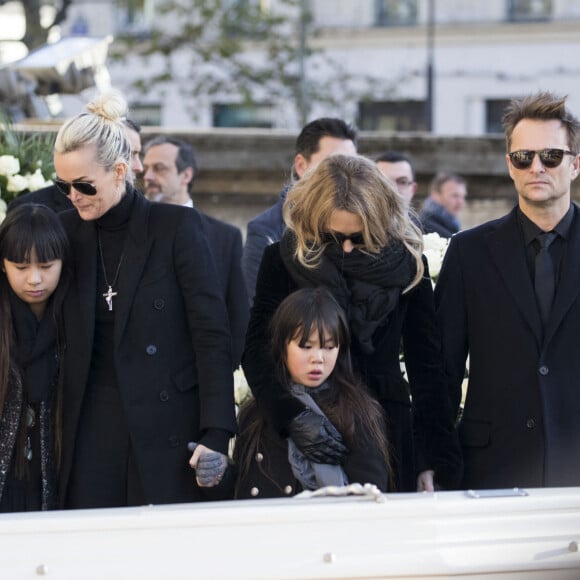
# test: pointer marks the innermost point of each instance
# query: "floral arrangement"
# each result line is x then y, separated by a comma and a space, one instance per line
434, 248
25, 162
242, 392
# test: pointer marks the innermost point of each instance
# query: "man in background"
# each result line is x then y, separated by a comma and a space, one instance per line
441, 209
399, 169
169, 170
317, 140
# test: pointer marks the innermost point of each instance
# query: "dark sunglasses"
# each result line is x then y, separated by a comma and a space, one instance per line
550, 158
83, 187
339, 238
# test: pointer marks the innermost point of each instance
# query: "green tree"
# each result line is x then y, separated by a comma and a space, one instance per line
239, 48
35, 35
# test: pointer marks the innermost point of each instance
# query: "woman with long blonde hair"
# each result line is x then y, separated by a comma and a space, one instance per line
348, 230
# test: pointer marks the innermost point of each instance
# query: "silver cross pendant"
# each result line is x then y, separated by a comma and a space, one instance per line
108, 296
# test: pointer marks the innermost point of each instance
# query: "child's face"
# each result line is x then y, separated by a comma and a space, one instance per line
33, 282
310, 365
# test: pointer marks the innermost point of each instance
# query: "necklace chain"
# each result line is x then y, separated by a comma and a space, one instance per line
108, 295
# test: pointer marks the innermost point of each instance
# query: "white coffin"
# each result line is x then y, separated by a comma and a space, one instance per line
411, 536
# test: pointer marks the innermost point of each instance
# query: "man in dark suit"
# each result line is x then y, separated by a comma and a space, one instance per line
53, 198
170, 167
509, 296
317, 140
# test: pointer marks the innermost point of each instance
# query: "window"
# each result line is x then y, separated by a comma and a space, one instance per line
494, 111
246, 18
529, 10
392, 116
395, 12
235, 115
146, 114
134, 16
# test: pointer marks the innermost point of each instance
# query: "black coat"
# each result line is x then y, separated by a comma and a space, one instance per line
225, 241
49, 196
171, 343
520, 425
270, 474
431, 442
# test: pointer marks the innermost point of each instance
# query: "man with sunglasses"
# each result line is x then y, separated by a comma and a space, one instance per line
509, 297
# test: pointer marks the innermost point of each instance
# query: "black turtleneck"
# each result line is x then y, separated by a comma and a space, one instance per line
111, 231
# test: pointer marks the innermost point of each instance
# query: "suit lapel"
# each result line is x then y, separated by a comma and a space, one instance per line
569, 283
137, 247
508, 254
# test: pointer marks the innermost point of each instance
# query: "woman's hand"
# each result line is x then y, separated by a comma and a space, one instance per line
317, 438
425, 481
209, 465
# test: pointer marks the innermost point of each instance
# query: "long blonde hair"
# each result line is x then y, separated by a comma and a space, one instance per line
356, 185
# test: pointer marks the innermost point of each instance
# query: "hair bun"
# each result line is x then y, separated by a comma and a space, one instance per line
112, 106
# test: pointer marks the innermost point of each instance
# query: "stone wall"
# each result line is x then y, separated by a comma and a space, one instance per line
242, 171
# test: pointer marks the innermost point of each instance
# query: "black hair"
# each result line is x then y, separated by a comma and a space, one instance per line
395, 157
308, 141
28, 227
32, 226
348, 404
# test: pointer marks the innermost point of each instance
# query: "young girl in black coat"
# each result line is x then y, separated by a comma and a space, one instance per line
310, 345
33, 255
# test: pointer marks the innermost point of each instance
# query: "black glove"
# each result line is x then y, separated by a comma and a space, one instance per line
317, 437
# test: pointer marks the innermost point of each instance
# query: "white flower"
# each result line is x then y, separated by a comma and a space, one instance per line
9, 165
434, 248
17, 183
36, 180
241, 388
3, 208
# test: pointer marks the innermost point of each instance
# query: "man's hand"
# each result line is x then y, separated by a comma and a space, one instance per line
317, 437
209, 465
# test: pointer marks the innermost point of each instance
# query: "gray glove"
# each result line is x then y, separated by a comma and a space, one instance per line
317, 437
210, 468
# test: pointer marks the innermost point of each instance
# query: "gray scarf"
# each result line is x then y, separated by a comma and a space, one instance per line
312, 475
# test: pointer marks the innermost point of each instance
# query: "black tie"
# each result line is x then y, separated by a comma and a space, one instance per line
544, 282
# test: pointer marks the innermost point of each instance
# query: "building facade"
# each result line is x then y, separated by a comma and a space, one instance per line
445, 66
466, 59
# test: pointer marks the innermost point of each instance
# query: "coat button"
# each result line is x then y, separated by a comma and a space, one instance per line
174, 441
159, 304
259, 457
164, 396
151, 349
544, 370
530, 423
288, 490
254, 491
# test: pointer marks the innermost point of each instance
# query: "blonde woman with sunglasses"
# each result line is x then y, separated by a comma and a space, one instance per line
348, 230
148, 362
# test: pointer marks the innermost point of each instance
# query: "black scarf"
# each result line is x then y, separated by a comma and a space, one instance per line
367, 286
32, 381
34, 349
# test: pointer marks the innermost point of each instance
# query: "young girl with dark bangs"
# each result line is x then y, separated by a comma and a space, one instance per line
310, 346
33, 258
